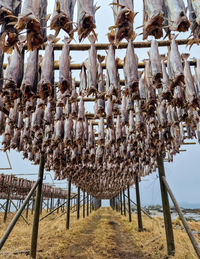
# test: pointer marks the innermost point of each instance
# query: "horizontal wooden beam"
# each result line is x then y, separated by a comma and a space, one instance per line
122, 45
119, 66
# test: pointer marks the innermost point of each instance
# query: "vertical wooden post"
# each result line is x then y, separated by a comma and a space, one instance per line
78, 203
129, 204
48, 205
27, 209
83, 204
51, 202
58, 206
139, 213
90, 204
166, 208
87, 204
7, 206
121, 203
68, 204
37, 209
124, 199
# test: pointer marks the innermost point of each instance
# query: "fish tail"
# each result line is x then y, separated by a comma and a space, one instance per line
92, 38
67, 40
111, 36
185, 56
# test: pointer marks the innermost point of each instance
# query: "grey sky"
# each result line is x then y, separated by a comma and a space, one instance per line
183, 174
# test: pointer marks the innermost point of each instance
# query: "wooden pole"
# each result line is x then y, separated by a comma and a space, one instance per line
124, 199
78, 204
68, 204
129, 204
87, 204
90, 204
121, 203
139, 214
37, 209
51, 202
18, 214
27, 209
7, 205
185, 224
122, 45
166, 208
83, 204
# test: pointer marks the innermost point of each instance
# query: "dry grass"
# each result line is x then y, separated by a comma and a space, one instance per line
105, 234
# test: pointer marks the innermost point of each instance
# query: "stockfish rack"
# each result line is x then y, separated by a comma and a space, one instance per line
118, 202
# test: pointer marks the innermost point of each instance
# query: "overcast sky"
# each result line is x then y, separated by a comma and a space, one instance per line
183, 174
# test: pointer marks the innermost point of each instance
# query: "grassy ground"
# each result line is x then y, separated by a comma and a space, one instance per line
105, 234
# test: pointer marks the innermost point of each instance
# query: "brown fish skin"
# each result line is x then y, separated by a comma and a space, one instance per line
14, 72
109, 114
86, 18
8, 16
124, 17
65, 77
191, 94
81, 110
175, 67
150, 91
45, 85
194, 17
153, 19
29, 19
30, 79
176, 15
131, 69
111, 69
156, 67
63, 17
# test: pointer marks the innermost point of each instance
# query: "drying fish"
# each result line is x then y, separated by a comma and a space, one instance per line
124, 17
8, 17
58, 130
14, 73
175, 67
150, 91
131, 70
45, 85
153, 19
197, 77
81, 110
166, 85
194, 16
111, 69
29, 19
65, 76
86, 18
124, 111
101, 88
175, 15
83, 80
190, 91
30, 79
91, 65
101, 134
63, 17
109, 114
156, 68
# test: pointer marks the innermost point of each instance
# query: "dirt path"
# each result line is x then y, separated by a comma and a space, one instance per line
104, 237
